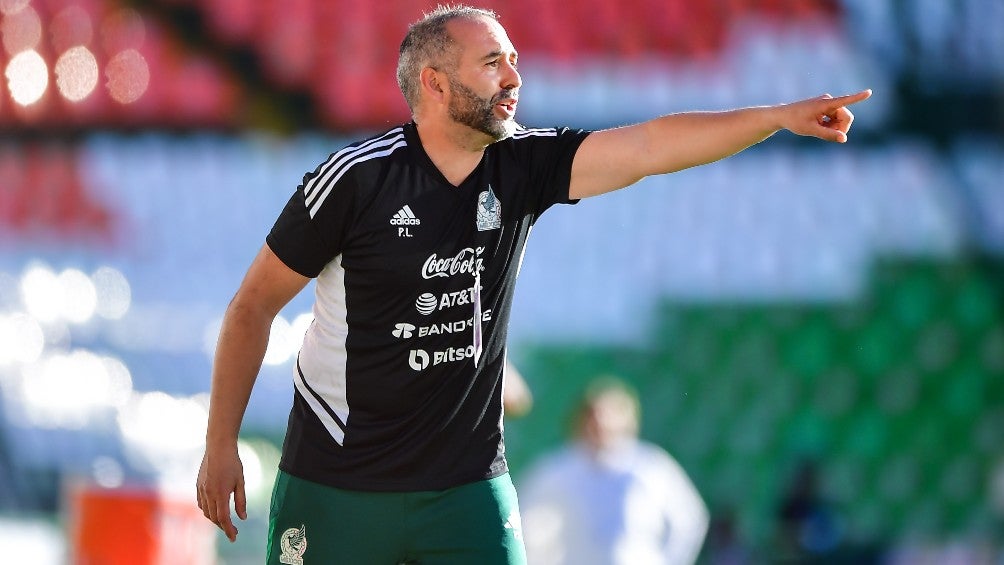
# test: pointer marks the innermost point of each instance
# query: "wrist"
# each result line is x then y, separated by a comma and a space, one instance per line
221, 441
773, 118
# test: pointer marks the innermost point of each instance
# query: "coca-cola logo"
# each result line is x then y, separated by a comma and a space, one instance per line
467, 260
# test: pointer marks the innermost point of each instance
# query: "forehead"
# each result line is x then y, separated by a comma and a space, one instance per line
612, 400
479, 37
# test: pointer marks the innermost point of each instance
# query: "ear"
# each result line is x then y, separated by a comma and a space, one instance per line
434, 84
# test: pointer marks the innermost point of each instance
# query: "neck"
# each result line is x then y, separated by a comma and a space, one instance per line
455, 151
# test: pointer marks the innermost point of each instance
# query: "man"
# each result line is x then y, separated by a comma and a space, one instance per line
608, 497
393, 451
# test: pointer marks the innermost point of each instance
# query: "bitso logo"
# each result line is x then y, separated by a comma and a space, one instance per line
293, 545
489, 211
403, 331
426, 303
418, 359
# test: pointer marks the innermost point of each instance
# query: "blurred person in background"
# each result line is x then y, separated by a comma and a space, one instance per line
393, 449
517, 398
724, 545
809, 528
608, 497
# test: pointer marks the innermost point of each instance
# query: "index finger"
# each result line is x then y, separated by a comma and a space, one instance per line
848, 99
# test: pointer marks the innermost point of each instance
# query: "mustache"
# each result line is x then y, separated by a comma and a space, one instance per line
505, 95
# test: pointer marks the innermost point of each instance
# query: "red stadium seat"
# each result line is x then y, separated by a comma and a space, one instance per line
288, 41
41, 194
342, 53
236, 22
107, 31
12, 184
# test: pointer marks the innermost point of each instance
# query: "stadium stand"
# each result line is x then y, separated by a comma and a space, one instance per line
896, 395
125, 69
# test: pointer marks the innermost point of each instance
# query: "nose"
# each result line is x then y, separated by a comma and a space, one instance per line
511, 78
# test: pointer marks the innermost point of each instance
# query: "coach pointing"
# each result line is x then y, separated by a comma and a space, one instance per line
394, 450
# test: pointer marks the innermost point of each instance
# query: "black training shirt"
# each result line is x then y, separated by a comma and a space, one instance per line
387, 393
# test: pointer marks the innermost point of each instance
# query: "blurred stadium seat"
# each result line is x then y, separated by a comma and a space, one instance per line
341, 54
118, 51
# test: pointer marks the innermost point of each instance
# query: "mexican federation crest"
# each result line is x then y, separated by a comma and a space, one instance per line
293, 545
489, 211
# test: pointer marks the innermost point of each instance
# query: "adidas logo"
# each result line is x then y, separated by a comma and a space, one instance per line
405, 217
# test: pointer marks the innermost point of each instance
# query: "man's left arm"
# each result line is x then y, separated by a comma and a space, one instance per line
614, 158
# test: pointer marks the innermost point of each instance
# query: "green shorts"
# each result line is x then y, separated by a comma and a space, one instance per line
476, 523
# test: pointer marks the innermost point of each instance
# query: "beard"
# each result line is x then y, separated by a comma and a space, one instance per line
478, 113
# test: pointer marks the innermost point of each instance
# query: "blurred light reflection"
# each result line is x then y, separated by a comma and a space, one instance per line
114, 295
156, 424
39, 292
76, 73
79, 297
27, 77
128, 76
280, 347
21, 30
70, 390
254, 473
71, 295
21, 339
107, 472
12, 6
71, 27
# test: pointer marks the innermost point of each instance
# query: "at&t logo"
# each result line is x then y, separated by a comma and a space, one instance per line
426, 303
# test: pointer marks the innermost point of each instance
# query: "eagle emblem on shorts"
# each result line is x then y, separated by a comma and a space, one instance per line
489, 211
293, 545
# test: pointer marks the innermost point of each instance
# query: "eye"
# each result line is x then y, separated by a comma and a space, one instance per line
493, 63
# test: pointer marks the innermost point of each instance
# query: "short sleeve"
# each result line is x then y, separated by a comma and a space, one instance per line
549, 153
311, 229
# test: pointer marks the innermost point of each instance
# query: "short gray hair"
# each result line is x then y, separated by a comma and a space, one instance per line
428, 43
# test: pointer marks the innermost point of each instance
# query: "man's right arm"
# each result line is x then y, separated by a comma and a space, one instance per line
267, 287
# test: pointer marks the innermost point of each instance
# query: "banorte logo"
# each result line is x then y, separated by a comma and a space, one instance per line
467, 260
403, 330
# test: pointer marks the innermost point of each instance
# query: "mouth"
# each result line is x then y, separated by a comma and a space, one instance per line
507, 106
